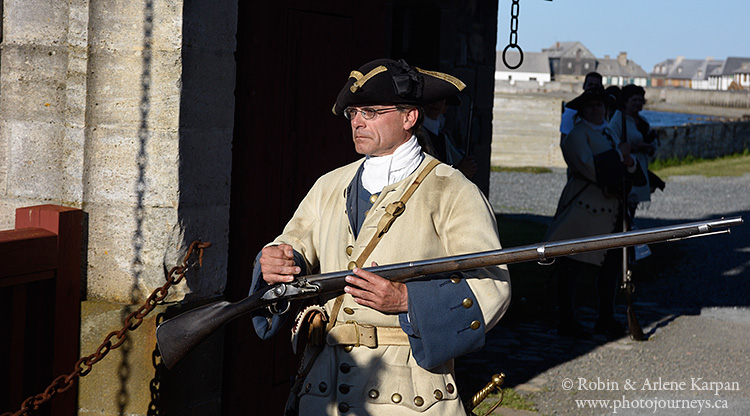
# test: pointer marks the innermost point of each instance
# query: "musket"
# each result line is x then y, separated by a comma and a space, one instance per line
176, 337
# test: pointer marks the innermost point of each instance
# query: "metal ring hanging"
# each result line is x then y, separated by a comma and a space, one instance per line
520, 54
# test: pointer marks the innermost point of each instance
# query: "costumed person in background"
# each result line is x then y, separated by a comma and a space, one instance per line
568, 118
440, 143
590, 204
643, 142
387, 348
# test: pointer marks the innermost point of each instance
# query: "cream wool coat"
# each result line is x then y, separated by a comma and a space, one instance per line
446, 216
583, 209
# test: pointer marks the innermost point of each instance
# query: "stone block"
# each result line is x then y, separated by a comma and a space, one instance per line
33, 82
205, 166
35, 163
130, 379
123, 164
127, 90
208, 83
39, 22
127, 248
128, 26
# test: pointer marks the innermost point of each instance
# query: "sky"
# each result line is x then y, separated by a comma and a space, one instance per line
650, 31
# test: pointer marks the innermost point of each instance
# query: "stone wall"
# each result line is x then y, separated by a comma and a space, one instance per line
125, 110
526, 131
689, 97
707, 141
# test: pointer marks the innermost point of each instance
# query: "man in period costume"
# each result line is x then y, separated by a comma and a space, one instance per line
388, 347
591, 204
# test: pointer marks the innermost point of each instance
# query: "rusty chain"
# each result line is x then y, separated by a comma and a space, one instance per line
133, 321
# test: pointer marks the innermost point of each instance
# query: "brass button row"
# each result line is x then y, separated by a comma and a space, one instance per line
467, 303
418, 400
475, 324
349, 250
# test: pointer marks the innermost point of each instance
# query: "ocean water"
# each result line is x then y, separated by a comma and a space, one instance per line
662, 119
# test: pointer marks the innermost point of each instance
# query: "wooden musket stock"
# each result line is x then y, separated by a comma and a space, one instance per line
176, 337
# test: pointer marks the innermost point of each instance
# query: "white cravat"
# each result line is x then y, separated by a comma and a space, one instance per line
381, 171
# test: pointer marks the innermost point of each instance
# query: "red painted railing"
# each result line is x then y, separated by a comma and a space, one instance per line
40, 286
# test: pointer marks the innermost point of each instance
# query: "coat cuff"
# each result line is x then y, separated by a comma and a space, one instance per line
445, 321
265, 323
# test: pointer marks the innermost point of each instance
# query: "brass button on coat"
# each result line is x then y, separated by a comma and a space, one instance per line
373, 198
349, 311
455, 278
374, 394
475, 324
467, 303
343, 407
418, 401
438, 395
450, 388
348, 348
349, 250
396, 398
352, 265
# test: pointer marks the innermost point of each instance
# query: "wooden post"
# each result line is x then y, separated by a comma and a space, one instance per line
67, 223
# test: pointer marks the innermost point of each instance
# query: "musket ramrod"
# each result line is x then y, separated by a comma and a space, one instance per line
176, 337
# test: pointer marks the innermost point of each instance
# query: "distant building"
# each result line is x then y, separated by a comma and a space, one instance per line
680, 73
621, 71
733, 74
535, 67
570, 61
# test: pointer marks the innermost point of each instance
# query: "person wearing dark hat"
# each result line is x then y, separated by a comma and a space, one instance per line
440, 142
382, 347
568, 118
590, 204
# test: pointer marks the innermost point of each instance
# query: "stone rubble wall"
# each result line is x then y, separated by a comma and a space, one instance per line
525, 129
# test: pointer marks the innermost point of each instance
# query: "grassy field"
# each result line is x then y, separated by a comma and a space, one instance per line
735, 165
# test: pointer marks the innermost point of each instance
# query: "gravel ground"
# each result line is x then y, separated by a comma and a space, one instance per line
696, 315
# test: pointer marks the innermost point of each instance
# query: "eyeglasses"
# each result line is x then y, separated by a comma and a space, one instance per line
368, 113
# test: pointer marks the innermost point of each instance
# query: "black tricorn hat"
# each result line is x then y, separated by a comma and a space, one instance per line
591, 94
385, 81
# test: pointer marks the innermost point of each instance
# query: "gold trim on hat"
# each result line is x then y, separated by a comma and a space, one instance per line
445, 77
361, 79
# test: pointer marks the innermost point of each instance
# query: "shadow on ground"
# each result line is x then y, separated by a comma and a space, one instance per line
678, 278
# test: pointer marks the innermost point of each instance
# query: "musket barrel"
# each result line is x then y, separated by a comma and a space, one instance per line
177, 336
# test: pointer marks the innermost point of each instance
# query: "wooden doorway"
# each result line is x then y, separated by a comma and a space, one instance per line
292, 59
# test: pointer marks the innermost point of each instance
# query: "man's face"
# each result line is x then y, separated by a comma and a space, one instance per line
382, 134
594, 112
591, 82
